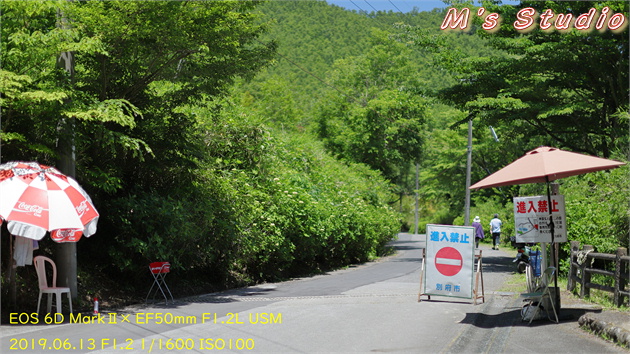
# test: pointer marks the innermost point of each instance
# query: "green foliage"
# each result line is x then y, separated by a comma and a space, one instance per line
275, 102
528, 86
443, 166
597, 209
261, 208
298, 209
126, 81
119, 111
312, 35
226, 181
156, 227
200, 46
379, 119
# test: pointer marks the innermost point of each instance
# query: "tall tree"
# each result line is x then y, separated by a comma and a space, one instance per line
135, 63
161, 55
567, 88
374, 115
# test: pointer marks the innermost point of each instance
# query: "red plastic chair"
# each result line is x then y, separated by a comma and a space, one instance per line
158, 271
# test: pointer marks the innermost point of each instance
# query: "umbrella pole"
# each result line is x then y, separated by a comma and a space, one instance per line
554, 258
12, 273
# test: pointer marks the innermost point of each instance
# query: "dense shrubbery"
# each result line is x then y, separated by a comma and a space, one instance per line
597, 209
261, 209
313, 213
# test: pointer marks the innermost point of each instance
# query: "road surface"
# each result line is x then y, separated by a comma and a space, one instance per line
367, 308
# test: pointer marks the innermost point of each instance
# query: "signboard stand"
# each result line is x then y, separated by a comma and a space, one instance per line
479, 279
424, 258
448, 264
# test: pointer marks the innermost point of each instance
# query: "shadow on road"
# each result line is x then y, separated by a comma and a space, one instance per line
405, 245
482, 320
513, 318
498, 264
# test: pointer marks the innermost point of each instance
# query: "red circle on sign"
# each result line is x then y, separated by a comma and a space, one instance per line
448, 261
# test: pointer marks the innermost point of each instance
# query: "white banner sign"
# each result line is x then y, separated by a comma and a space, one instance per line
450, 261
531, 219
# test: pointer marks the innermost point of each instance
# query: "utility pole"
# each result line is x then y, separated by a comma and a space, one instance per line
468, 171
66, 253
415, 232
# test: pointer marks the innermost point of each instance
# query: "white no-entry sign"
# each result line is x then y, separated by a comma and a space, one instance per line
450, 261
531, 219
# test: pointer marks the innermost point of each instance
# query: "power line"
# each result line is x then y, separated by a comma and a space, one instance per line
390, 1
371, 5
359, 7
373, 8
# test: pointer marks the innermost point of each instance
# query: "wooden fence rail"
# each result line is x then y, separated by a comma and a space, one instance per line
581, 270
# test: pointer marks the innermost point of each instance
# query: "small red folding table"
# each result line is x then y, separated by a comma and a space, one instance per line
159, 271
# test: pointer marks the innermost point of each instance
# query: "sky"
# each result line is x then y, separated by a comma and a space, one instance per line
394, 5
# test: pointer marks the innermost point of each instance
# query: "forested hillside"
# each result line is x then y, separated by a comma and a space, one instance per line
305, 80
525, 87
312, 36
256, 141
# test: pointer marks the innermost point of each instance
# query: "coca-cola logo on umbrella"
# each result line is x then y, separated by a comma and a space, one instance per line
82, 208
31, 208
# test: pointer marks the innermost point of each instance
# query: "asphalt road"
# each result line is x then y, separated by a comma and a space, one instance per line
367, 308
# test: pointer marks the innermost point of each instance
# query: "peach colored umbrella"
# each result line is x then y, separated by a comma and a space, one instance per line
545, 164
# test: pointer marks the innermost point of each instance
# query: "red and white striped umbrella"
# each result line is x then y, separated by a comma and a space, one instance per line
36, 198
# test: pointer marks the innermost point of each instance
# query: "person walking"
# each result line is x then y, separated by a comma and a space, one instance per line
495, 230
478, 230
